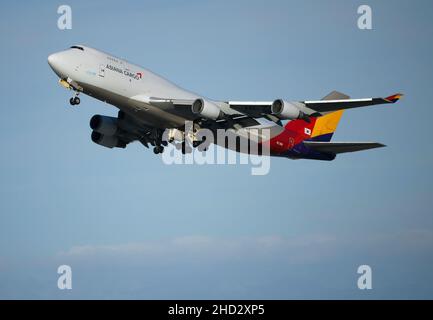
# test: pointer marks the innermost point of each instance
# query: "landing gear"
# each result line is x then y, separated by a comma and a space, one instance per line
74, 101
158, 149
157, 142
186, 148
198, 143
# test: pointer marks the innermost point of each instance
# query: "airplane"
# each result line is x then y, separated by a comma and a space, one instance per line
150, 106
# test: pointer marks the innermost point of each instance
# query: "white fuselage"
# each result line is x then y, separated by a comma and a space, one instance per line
125, 85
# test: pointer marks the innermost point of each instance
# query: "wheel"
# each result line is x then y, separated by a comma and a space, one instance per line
77, 100
72, 101
158, 149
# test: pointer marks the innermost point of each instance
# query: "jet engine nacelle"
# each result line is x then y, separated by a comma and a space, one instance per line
107, 140
287, 110
104, 124
206, 109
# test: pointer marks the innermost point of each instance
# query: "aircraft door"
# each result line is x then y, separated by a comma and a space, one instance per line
102, 70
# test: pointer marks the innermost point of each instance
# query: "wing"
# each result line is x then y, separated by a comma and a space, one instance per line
244, 113
255, 109
334, 105
341, 147
232, 118
332, 102
119, 131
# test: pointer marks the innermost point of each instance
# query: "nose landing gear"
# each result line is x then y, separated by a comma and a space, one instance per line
74, 100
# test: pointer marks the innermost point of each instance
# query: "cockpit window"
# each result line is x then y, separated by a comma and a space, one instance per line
77, 47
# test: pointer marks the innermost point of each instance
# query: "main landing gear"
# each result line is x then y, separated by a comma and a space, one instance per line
185, 148
159, 144
158, 149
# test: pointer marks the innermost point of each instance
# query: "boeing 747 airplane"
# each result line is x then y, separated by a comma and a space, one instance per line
153, 110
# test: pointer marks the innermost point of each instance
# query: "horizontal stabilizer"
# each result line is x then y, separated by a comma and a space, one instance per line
341, 147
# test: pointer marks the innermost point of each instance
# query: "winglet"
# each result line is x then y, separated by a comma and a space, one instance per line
394, 98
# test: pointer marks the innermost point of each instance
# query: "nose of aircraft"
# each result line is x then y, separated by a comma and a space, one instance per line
57, 63
53, 60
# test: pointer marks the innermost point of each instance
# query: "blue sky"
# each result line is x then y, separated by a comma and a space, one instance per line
132, 227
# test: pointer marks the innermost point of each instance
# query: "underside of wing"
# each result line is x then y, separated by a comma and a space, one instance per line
255, 109
119, 131
341, 147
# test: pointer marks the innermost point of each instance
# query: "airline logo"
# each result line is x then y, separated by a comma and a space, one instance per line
126, 72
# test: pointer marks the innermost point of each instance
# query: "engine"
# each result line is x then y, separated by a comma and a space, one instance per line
104, 125
288, 110
206, 109
107, 140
